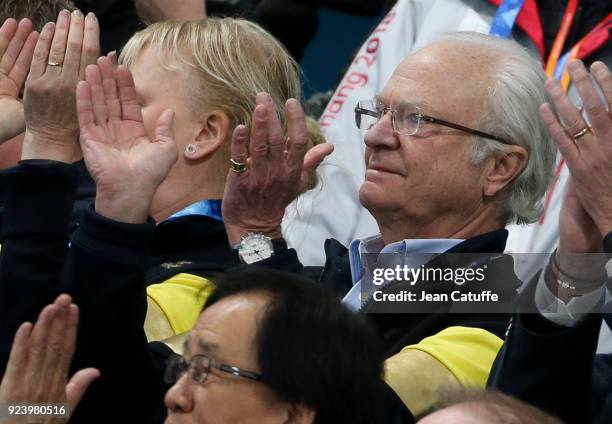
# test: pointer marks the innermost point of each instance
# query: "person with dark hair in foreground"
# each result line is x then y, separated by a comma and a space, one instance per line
300, 355
268, 347
247, 322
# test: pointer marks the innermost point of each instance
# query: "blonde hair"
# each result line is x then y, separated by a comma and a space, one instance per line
232, 59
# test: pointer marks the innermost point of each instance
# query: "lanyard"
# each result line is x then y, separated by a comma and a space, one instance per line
596, 38
527, 18
584, 48
564, 29
505, 17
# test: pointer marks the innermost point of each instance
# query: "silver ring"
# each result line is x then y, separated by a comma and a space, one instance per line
237, 167
581, 133
54, 64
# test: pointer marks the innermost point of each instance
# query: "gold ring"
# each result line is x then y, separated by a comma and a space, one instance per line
581, 133
54, 63
237, 167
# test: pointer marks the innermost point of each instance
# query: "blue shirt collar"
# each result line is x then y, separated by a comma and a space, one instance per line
376, 245
210, 208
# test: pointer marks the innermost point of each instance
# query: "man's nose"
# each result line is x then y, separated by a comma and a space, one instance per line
381, 135
180, 396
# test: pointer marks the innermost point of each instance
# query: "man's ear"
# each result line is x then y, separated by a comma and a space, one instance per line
300, 414
504, 168
213, 133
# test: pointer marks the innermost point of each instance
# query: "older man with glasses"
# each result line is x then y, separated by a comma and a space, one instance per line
455, 150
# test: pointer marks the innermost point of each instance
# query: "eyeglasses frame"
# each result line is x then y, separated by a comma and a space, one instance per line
230, 369
385, 110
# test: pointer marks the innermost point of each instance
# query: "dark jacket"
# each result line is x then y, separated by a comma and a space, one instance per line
104, 271
36, 265
555, 367
402, 329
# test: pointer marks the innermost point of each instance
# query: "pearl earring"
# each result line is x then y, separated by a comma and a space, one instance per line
191, 149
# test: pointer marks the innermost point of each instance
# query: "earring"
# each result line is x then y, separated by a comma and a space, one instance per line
191, 149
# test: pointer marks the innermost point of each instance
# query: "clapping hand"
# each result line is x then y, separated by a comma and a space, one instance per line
38, 366
586, 213
586, 147
125, 163
17, 41
63, 51
275, 170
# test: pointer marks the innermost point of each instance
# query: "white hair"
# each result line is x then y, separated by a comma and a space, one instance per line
511, 112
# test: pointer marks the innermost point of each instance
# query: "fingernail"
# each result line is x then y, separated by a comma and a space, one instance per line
598, 67
574, 65
78, 13
291, 103
552, 85
260, 111
91, 16
65, 13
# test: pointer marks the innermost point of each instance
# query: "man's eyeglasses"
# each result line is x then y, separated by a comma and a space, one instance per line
199, 367
406, 119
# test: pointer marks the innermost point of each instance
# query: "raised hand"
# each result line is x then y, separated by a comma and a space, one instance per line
125, 163
274, 174
39, 363
17, 43
586, 149
62, 53
586, 213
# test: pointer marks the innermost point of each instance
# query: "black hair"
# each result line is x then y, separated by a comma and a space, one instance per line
311, 350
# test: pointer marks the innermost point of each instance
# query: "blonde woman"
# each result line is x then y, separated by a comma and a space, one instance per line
208, 73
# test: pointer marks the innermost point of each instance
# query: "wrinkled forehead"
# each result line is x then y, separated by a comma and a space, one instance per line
449, 79
227, 329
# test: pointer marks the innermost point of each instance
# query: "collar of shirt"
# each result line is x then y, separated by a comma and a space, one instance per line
376, 245
210, 208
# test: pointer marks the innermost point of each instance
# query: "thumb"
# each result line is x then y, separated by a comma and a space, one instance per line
164, 129
316, 155
312, 160
78, 384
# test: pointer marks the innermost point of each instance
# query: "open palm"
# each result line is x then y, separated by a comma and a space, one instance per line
17, 42
120, 156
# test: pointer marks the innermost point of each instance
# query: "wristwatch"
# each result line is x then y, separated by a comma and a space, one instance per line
255, 247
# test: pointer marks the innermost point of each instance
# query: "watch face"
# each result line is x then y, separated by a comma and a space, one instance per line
255, 248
